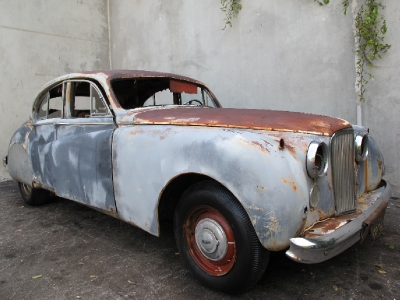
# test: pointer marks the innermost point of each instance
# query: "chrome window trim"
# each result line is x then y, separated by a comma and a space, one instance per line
101, 97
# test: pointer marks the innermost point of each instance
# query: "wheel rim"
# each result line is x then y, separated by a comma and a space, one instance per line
210, 240
27, 189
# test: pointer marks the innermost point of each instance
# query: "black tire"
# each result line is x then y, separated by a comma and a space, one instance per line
226, 235
33, 196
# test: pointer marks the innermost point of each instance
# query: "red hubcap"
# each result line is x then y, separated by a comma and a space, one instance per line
210, 240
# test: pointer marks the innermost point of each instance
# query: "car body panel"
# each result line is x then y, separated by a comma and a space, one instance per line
160, 153
84, 149
268, 120
40, 145
18, 160
371, 170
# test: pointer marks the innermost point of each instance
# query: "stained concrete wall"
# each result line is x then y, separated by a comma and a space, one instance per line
40, 40
381, 109
279, 54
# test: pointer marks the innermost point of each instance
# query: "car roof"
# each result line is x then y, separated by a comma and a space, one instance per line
125, 74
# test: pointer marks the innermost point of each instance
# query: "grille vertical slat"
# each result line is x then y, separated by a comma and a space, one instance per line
342, 148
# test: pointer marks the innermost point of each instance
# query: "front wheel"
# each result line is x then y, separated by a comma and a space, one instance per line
33, 196
216, 239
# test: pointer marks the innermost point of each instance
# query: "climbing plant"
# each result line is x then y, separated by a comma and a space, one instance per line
322, 2
370, 28
231, 9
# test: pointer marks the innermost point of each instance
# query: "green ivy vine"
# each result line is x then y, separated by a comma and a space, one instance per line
231, 9
322, 2
370, 29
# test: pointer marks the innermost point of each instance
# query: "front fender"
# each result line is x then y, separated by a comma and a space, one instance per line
269, 180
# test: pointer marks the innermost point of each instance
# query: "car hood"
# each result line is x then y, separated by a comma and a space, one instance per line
269, 120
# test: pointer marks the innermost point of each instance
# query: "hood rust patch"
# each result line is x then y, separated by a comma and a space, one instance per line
244, 118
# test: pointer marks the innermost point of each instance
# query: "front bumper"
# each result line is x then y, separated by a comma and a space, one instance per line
321, 248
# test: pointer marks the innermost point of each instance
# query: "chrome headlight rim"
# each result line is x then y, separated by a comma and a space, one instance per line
317, 159
361, 146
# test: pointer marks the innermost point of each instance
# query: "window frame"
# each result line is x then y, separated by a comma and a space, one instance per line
47, 100
107, 114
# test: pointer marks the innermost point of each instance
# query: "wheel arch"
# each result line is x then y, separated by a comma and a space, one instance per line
173, 191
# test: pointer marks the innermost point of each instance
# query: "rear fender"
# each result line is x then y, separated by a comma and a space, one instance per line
19, 166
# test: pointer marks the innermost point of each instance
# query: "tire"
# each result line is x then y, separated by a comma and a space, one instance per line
33, 196
216, 239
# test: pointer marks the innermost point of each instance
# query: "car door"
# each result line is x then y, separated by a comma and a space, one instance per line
43, 134
82, 150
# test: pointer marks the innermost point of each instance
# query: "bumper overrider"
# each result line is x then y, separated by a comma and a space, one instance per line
314, 250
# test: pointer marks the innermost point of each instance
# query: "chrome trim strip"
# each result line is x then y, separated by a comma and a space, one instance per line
84, 123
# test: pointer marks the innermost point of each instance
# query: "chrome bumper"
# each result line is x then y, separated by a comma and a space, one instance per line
319, 249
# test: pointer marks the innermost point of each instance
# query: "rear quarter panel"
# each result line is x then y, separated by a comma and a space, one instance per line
19, 165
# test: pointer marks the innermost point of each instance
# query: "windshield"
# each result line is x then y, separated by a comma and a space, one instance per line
141, 92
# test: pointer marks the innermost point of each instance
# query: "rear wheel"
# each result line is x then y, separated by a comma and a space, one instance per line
33, 196
216, 239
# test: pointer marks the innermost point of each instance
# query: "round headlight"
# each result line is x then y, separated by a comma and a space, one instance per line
317, 159
361, 146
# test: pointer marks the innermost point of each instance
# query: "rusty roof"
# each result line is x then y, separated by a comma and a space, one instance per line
123, 74
244, 118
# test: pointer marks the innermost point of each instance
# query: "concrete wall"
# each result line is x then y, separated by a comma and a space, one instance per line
381, 109
42, 39
279, 54
284, 54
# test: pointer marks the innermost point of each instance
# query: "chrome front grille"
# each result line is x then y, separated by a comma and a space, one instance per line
342, 154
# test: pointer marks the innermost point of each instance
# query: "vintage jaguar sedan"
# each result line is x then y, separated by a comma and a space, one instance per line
238, 183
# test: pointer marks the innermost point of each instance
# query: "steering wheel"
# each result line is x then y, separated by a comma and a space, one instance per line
193, 100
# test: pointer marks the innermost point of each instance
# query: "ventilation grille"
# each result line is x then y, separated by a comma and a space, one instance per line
342, 153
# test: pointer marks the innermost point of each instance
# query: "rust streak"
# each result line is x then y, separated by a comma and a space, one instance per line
291, 149
322, 215
366, 175
258, 145
274, 225
294, 187
380, 165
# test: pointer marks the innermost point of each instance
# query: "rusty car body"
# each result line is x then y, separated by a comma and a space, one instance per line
143, 146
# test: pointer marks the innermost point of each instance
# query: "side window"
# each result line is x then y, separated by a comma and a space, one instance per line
44, 107
85, 101
98, 107
80, 100
55, 107
51, 104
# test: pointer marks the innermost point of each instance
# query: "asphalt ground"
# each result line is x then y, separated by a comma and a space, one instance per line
64, 250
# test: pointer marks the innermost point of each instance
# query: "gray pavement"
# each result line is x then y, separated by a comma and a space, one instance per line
64, 250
